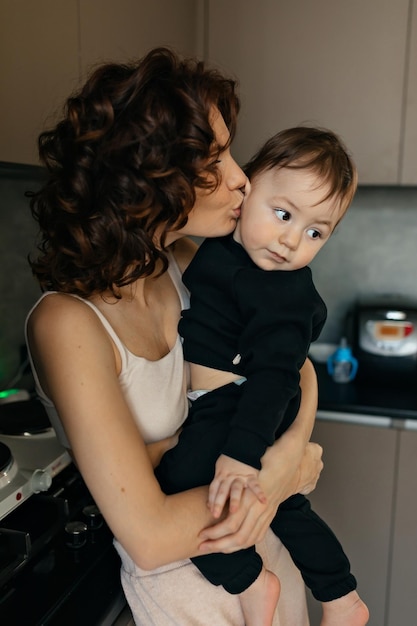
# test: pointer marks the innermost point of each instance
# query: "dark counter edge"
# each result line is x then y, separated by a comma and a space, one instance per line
366, 397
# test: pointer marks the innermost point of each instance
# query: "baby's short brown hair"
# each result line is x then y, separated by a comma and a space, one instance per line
316, 149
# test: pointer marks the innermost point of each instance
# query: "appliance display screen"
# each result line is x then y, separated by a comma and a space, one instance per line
394, 331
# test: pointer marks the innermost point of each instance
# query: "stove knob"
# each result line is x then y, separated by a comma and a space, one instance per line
93, 517
40, 480
76, 534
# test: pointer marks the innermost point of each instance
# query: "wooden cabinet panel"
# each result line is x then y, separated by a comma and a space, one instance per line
39, 67
47, 47
127, 29
336, 64
355, 497
409, 164
402, 605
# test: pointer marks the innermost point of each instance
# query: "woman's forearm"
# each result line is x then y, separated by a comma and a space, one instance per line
304, 423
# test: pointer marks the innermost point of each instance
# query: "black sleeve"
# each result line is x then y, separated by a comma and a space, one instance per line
279, 310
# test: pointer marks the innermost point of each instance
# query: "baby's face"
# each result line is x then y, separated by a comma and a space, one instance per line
285, 219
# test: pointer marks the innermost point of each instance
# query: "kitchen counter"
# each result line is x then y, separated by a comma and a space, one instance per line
366, 399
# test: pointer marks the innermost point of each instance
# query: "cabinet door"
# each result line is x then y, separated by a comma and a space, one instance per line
39, 68
336, 64
409, 165
47, 47
127, 29
354, 496
402, 605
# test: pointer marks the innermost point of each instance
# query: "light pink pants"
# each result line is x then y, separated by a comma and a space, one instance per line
178, 595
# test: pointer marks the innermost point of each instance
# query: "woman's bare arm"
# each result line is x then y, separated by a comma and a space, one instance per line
157, 449
75, 361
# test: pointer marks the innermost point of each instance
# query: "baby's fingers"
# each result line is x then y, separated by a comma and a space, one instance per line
253, 485
236, 491
218, 496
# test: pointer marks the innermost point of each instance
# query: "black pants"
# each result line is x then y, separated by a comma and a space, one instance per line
313, 547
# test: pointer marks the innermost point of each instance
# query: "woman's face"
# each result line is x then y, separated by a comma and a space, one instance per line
214, 213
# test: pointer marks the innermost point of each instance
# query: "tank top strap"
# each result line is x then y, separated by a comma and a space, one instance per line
176, 277
109, 329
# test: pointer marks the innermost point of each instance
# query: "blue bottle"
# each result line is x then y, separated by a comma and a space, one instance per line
342, 365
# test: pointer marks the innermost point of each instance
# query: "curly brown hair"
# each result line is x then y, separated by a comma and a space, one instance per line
308, 147
123, 163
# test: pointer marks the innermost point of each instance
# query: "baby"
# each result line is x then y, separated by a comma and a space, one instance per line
254, 312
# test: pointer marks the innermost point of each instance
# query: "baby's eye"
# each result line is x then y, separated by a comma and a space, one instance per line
314, 233
282, 214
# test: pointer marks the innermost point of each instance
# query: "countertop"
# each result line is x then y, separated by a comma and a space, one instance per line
366, 398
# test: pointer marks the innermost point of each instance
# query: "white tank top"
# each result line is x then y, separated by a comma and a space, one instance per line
154, 390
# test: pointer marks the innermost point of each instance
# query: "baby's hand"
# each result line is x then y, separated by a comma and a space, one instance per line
231, 478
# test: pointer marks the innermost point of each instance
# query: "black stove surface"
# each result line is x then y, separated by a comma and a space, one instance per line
23, 417
6, 457
366, 397
58, 565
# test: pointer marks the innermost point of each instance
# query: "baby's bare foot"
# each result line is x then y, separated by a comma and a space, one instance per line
259, 601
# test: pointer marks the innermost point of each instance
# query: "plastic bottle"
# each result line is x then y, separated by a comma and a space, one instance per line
342, 365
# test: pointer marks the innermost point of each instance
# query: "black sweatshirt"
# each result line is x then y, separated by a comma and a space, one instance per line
257, 324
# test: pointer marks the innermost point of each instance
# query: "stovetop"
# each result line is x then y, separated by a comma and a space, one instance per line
30, 454
58, 566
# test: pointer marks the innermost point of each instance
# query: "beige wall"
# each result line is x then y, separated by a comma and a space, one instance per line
349, 66
47, 46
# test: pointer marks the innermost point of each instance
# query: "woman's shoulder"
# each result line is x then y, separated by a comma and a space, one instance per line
57, 313
51, 303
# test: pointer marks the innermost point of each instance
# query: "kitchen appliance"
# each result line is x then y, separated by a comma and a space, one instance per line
383, 335
58, 565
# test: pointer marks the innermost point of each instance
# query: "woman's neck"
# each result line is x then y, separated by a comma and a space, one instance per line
145, 318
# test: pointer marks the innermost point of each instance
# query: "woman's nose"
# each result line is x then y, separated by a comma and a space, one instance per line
246, 187
238, 179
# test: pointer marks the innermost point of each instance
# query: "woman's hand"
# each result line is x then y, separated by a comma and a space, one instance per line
250, 522
310, 468
238, 530
231, 479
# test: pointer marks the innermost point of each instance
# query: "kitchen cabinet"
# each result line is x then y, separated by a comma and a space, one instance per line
409, 165
349, 66
402, 602
367, 495
39, 68
355, 496
47, 47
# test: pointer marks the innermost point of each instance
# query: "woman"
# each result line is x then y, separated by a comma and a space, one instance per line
140, 160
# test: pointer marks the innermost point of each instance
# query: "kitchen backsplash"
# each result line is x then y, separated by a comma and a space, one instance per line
373, 251
18, 287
